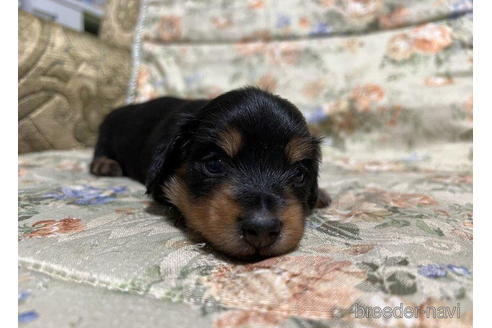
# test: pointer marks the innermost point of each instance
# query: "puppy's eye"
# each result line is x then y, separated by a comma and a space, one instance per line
214, 167
299, 176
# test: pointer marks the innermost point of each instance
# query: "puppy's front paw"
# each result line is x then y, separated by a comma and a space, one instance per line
104, 166
324, 200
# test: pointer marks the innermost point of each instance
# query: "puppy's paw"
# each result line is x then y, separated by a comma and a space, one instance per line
103, 166
324, 200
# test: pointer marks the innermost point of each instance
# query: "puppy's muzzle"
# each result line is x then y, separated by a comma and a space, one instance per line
260, 229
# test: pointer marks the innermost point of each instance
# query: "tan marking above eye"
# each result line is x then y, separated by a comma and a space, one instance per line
230, 141
298, 149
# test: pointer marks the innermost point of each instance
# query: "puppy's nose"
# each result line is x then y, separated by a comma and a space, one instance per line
260, 230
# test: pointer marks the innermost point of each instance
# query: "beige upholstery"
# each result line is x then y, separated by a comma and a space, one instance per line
69, 80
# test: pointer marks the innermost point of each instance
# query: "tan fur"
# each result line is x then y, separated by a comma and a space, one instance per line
104, 166
215, 218
292, 217
298, 149
230, 140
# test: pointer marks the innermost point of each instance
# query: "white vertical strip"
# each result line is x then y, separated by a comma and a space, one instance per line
136, 48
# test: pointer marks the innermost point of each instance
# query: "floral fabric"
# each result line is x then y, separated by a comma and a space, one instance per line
202, 21
399, 232
389, 85
397, 87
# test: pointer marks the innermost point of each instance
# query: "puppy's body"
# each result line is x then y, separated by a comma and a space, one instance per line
129, 135
241, 168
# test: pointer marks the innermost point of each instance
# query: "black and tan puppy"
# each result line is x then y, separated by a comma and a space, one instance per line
242, 168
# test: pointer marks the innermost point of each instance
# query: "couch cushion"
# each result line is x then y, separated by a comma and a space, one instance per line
222, 21
399, 231
48, 302
395, 87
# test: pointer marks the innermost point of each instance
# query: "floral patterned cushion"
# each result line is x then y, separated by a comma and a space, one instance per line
399, 232
388, 82
172, 21
398, 87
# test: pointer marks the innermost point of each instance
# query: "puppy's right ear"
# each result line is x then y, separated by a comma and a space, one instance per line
168, 156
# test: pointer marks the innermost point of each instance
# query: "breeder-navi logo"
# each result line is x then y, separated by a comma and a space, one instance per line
387, 312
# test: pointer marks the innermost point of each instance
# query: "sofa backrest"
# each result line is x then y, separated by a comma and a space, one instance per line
380, 71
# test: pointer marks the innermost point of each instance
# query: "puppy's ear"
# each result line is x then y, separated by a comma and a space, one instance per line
323, 200
318, 198
168, 156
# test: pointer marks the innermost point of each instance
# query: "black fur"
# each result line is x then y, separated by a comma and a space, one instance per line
150, 141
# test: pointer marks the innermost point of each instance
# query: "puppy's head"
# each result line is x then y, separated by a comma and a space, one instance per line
243, 172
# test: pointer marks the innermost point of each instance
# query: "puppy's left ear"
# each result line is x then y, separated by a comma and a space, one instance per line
323, 200
318, 198
167, 157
